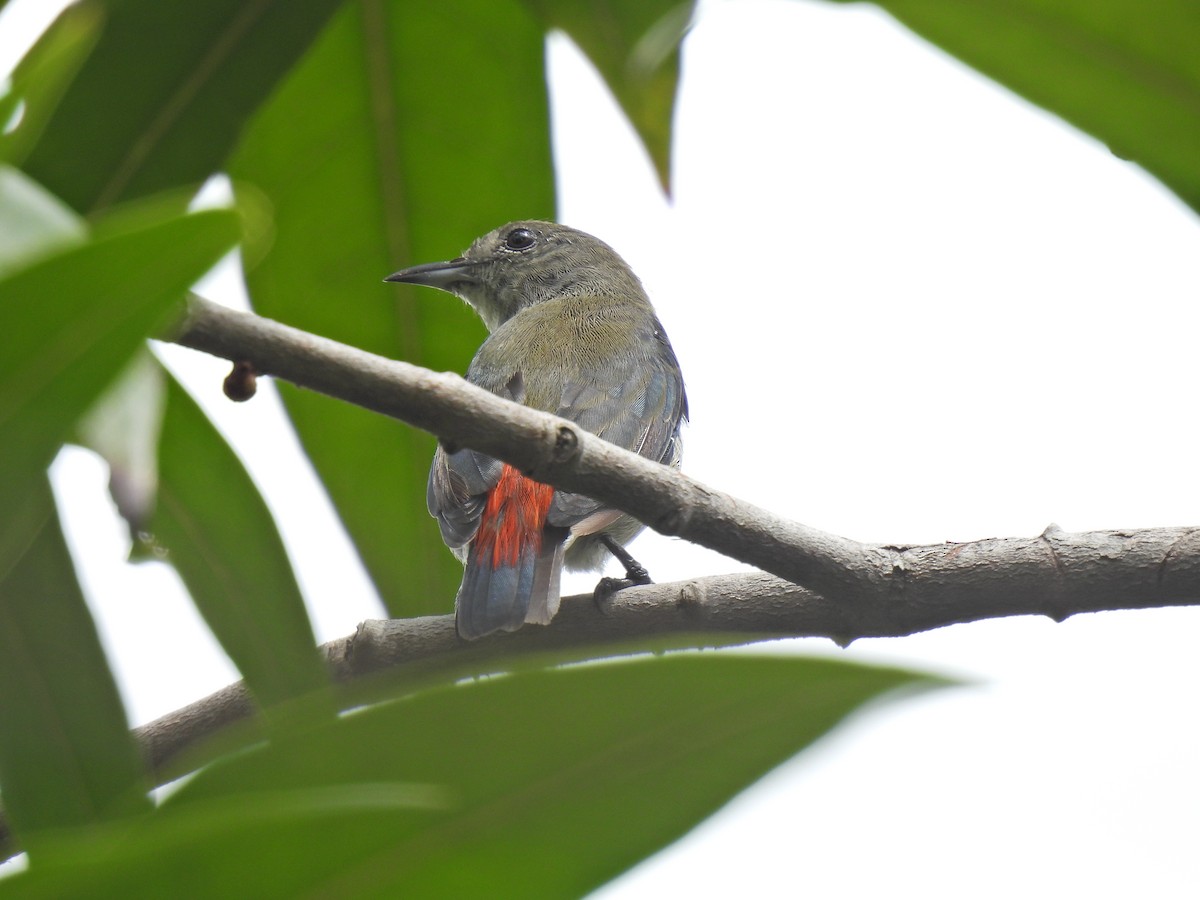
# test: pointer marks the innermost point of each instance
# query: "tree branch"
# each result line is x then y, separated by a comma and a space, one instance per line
545, 447
1055, 574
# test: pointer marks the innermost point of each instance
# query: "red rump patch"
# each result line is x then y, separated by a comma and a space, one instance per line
513, 518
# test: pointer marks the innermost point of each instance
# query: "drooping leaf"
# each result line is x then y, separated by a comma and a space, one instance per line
43, 75
540, 784
219, 535
66, 756
1126, 71
634, 44
433, 130
164, 94
123, 426
70, 322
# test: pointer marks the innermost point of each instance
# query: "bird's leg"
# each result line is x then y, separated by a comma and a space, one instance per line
635, 573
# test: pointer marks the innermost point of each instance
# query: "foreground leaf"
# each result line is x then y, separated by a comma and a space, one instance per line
433, 129
1126, 71
219, 534
69, 323
66, 756
187, 76
540, 784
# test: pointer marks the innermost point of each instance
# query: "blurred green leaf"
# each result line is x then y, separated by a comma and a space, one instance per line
221, 537
70, 322
66, 757
43, 75
163, 96
1126, 71
634, 44
433, 129
539, 784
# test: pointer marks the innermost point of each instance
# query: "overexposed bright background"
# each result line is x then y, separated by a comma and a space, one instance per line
910, 308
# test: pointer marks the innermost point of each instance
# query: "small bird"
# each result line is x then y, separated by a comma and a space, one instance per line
573, 333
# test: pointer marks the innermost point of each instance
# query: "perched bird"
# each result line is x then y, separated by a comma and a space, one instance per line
572, 333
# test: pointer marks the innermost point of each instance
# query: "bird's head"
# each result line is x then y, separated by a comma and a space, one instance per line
525, 263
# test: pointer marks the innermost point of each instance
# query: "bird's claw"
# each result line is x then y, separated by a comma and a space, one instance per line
605, 589
635, 574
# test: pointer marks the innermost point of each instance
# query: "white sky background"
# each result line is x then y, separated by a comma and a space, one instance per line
910, 308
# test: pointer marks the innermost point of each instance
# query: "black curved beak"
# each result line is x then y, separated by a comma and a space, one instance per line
442, 275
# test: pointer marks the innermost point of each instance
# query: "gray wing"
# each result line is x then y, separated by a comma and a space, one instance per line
459, 482
638, 404
458, 486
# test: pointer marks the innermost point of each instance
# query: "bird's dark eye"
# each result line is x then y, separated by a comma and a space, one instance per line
519, 239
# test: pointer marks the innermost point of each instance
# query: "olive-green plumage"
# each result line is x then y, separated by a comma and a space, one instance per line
572, 333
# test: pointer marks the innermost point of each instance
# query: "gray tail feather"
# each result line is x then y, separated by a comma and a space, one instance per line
506, 597
547, 575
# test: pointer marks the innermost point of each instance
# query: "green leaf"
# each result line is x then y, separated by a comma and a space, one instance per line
223, 541
70, 322
43, 75
163, 97
1126, 71
634, 44
66, 756
539, 784
433, 130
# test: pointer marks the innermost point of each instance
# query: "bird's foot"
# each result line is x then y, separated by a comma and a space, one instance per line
635, 573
